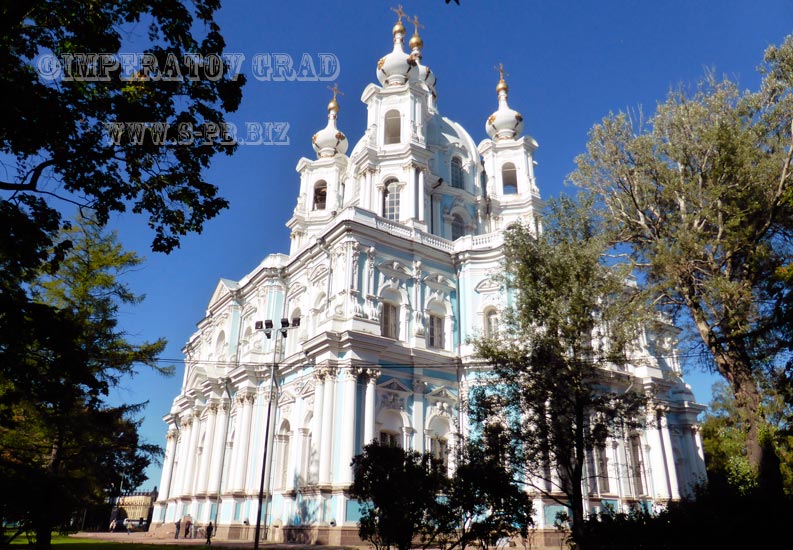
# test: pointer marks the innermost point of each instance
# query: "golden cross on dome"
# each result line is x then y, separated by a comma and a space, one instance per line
416, 23
335, 90
500, 70
399, 11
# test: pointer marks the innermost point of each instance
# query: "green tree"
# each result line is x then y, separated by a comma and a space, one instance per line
62, 444
702, 194
398, 491
55, 133
724, 435
555, 383
486, 500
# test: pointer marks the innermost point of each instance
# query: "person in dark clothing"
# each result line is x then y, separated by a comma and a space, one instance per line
178, 527
209, 533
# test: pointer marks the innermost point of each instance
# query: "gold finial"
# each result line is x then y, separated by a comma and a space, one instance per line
399, 11
502, 84
399, 28
334, 105
415, 40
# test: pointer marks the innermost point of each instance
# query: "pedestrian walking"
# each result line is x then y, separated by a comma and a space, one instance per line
187, 524
178, 527
209, 533
113, 525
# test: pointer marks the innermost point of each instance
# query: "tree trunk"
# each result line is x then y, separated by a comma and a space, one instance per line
576, 494
43, 513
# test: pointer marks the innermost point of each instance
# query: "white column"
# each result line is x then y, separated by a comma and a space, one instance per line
194, 429
242, 441
316, 426
167, 467
371, 387
410, 199
655, 460
669, 455
218, 447
418, 416
698, 460
206, 452
366, 191
422, 192
326, 444
347, 424
234, 456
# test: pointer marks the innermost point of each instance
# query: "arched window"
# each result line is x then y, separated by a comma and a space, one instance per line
320, 195
458, 227
439, 430
391, 428
491, 323
282, 441
393, 127
509, 178
457, 173
220, 346
391, 200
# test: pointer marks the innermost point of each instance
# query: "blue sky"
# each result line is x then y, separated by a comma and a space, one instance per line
569, 64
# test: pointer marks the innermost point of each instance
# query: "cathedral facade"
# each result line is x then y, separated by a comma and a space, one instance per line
362, 332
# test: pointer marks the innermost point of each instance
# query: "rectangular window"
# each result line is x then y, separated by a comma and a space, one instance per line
391, 202
237, 510
389, 321
436, 339
636, 466
440, 449
390, 439
200, 512
602, 470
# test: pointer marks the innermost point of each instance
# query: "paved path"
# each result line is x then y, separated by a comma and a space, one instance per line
145, 538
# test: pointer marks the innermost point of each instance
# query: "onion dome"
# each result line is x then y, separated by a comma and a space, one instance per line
505, 123
329, 141
421, 72
394, 68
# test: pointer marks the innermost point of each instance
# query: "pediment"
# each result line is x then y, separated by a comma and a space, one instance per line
393, 269
307, 388
318, 273
224, 286
438, 282
487, 285
295, 290
394, 385
442, 393
286, 398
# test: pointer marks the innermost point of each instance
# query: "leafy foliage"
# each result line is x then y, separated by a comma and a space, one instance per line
701, 192
485, 501
62, 445
556, 385
70, 154
408, 500
399, 491
724, 439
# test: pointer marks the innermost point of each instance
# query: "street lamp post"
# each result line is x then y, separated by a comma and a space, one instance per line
267, 327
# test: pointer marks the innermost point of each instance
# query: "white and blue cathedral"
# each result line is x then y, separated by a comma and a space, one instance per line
366, 325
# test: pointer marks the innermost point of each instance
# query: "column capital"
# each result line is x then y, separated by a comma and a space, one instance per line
372, 374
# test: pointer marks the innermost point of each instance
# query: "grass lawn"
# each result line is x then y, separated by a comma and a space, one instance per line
75, 543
